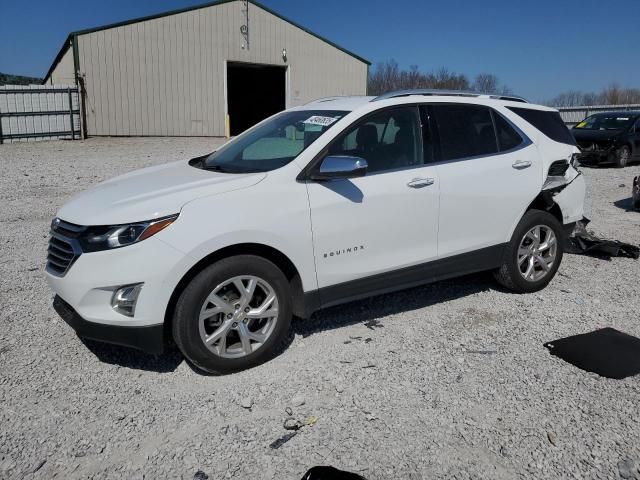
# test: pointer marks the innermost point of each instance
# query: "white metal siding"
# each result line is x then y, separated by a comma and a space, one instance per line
63, 73
166, 76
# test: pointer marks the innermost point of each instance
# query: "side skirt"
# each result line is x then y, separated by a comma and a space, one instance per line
408, 277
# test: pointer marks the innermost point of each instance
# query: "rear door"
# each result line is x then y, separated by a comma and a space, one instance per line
489, 173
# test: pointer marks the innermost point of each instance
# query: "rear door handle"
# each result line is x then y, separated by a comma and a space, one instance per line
520, 164
420, 182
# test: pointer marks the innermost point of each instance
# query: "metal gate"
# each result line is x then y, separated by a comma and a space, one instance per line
39, 112
573, 115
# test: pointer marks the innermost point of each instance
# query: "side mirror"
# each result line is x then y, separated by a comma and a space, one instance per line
340, 166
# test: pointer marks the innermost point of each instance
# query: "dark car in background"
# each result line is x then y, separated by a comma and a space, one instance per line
609, 137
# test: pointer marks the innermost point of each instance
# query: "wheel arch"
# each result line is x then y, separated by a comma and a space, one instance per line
544, 201
265, 251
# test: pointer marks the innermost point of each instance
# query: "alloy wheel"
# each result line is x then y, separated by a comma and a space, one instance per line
238, 316
537, 253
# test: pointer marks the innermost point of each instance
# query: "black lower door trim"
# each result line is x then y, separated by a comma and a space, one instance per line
441, 269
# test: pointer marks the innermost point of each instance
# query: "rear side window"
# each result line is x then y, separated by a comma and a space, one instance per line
464, 131
508, 138
548, 123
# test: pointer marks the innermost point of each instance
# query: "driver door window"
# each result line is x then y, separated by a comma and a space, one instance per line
387, 140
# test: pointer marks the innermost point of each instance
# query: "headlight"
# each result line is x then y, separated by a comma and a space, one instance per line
107, 237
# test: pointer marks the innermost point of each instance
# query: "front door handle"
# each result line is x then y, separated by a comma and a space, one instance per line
520, 164
420, 182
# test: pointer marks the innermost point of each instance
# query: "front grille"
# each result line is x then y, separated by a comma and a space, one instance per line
594, 146
64, 248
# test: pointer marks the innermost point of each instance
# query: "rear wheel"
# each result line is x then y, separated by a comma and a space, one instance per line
623, 154
534, 253
234, 315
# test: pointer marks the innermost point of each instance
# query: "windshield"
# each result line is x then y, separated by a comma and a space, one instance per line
272, 144
605, 122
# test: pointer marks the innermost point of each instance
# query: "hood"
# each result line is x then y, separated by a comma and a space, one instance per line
581, 134
150, 193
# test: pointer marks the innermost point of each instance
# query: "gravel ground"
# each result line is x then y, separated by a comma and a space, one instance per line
449, 380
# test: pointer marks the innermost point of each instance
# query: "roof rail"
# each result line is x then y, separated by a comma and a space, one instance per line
451, 93
325, 99
509, 98
332, 98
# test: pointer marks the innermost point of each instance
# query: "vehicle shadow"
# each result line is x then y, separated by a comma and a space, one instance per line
134, 359
370, 310
367, 312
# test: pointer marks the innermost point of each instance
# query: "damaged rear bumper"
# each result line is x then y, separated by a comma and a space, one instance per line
570, 199
568, 193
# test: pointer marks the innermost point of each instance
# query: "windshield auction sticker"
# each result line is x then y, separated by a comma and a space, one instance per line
319, 120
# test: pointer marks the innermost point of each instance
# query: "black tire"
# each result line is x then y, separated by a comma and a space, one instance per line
635, 193
509, 274
186, 329
622, 156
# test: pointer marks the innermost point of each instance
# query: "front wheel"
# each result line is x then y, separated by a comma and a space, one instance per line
233, 315
635, 193
534, 253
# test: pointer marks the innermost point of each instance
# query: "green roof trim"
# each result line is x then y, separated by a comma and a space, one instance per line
67, 43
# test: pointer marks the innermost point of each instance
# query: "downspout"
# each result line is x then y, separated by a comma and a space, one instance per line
366, 85
80, 84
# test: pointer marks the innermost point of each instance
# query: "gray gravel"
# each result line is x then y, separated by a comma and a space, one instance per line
449, 380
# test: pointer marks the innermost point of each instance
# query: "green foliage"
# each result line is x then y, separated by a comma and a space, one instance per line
6, 79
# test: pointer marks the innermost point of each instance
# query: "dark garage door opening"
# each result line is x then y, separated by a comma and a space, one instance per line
254, 92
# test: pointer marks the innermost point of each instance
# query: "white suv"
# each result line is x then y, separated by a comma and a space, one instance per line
336, 200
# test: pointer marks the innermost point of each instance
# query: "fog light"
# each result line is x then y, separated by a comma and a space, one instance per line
124, 299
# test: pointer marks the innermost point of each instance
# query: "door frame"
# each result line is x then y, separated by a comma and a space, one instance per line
287, 90
307, 171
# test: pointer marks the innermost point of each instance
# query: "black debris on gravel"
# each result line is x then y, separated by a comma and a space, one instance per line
276, 444
607, 352
583, 242
200, 475
372, 324
330, 473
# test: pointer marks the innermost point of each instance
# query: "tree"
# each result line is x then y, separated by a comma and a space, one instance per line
7, 79
387, 76
611, 95
486, 83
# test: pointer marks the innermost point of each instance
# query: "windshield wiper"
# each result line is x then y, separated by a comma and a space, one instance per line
216, 168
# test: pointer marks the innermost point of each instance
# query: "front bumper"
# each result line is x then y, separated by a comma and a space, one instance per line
90, 282
596, 157
149, 339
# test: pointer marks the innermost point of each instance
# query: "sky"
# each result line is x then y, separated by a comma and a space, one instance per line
539, 48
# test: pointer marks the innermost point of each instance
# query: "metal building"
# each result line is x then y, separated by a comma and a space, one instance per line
210, 70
